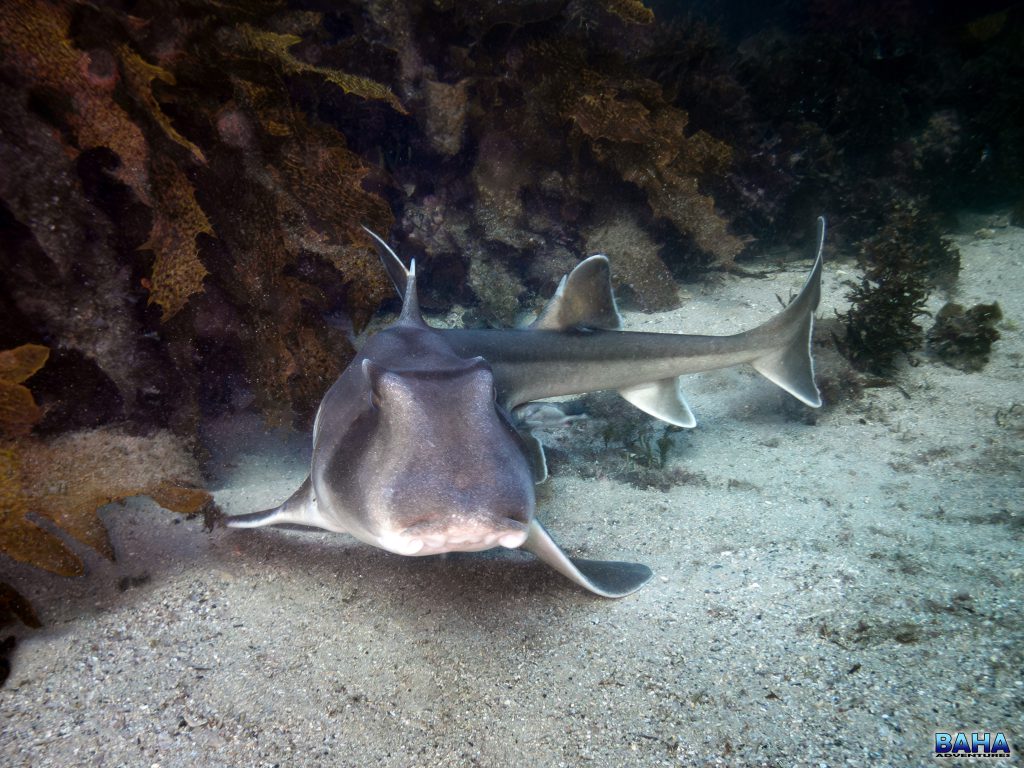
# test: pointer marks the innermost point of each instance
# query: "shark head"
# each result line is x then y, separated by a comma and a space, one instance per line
450, 473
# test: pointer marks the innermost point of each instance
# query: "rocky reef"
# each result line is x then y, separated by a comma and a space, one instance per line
183, 185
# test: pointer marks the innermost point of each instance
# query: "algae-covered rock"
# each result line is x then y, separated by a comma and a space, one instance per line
963, 338
445, 118
499, 175
497, 288
636, 264
630, 127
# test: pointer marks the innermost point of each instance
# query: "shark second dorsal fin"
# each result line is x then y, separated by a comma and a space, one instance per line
403, 279
582, 300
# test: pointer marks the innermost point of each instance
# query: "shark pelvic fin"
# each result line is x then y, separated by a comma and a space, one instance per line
790, 364
535, 456
583, 299
662, 400
300, 509
607, 578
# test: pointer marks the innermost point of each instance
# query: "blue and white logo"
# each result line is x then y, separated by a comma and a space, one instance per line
977, 744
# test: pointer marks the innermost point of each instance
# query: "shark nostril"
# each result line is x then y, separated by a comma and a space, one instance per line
401, 544
512, 540
412, 546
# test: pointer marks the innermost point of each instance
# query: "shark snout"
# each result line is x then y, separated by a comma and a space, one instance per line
454, 535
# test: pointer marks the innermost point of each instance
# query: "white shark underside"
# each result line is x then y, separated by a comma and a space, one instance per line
414, 450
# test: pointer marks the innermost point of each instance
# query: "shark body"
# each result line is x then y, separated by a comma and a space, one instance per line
415, 449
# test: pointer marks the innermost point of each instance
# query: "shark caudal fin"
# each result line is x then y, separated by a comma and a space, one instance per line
789, 363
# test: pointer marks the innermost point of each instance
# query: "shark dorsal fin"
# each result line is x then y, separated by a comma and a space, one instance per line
583, 300
404, 279
410, 299
396, 269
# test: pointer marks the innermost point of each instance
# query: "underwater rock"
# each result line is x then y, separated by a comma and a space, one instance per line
285, 196
550, 263
235, 128
74, 393
500, 175
437, 224
497, 289
937, 145
963, 338
60, 268
630, 127
638, 266
445, 119
35, 36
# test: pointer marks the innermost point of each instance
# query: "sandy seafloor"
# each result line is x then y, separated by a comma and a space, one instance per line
833, 594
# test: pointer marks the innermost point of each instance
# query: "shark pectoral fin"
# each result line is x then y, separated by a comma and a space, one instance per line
300, 509
607, 578
583, 299
662, 400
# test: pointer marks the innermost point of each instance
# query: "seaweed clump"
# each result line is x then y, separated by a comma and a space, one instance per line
901, 263
963, 338
66, 479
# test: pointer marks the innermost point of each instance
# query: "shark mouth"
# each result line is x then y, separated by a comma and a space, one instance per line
422, 540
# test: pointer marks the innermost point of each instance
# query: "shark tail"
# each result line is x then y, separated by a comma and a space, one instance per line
789, 363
